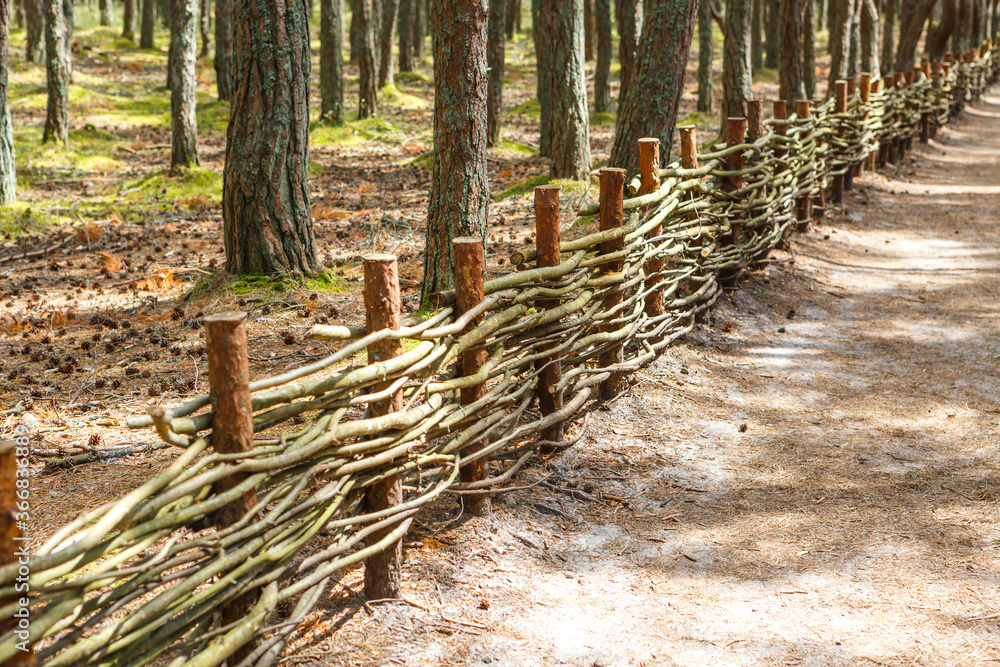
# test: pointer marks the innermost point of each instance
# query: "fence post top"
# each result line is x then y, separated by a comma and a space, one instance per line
378, 257
612, 170
649, 140
227, 316
467, 240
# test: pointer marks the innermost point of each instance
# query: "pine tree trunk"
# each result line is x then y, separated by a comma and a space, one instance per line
790, 75
224, 48
543, 89
104, 9
183, 49
331, 62
405, 31
355, 37
706, 86
387, 40
772, 41
57, 72
821, 12
495, 47
913, 14
854, 62
148, 24
7, 172
756, 36
128, 19
888, 37
164, 12
562, 79
367, 70
513, 17
588, 30
376, 22
871, 31
266, 215
34, 17
649, 108
67, 42
419, 28
840, 40
627, 40
736, 79
459, 189
204, 25
809, 51
602, 73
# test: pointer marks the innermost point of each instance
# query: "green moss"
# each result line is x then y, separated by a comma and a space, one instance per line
698, 119
194, 183
602, 119
390, 95
89, 149
425, 160
413, 78
350, 133
327, 281
530, 108
765, 74
517, 148
213, 115
524, 187
20, 218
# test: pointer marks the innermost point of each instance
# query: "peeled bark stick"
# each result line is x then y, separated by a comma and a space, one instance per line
547, 254
649, 176
611, 217
736, 129
11, 542
383, 310
803, 204
837, 188
689, 147
865, 95
470, 270
232, 426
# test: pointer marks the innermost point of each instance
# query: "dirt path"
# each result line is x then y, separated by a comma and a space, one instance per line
812, 479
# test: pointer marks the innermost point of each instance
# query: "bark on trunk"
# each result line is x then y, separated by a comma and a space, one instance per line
888, 35
627, 38
495, 60
706, 97
459, 188
224, 48
367, 71
148, 24
757, 36
104, 12
34, 17
513, 17
649, 108
265, 197
183, 48
67, 42
809, 52
841, 12
204, 13
791, 79
854, 62
602, 73
588, 29
355, 37
913, 14
938, 38
7, 174
419, 28
561, 77
871, 33
57, 111
406, 17
331, 63
128, 19
736, 72
387, 40
772, 41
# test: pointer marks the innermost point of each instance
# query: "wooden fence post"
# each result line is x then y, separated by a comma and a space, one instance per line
383, 310
736, 129
837, 188
649, 181
803, 204
755, 120
470, 272
10, 544
935, 78
232, 428
900, 144
689, 148
547, 254
612, 217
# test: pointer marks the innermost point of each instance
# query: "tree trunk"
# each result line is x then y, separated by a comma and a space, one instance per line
562, 85
104, 9
772, 41
128, 19
791, 78
871, 30
7, 173
960, 37
267, 222
331, 61
888, 38
183, 48
757, 36
736, 80
367, 72
419, 28
602, 73
67, 42
459, 189
627, 37
705, 54
649, 108
588, 30
387, 40
224, 48
355, 36
513, 17
809, 52
841, 12
148, 24
57, 72
406, 18
204, 25
495, 46
164, 12
34, 17
913, 14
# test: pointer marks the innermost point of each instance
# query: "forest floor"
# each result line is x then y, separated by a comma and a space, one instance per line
810, 478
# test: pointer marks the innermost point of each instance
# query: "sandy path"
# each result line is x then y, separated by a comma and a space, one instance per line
816, 487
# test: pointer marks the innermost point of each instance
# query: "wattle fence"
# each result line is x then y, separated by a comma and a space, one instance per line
226, 551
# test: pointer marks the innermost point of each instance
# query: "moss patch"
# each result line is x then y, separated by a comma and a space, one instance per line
391, 95
90, 149
517, 148
602, 119
413, 78
698, 119
327, 281
350, 133
194, 186
524, 187
530, 108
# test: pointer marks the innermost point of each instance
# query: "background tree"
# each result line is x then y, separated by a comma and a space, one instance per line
809, 51
705, 55
888, 36
204, 25
513, 17
420, 28
183, 48
367, 67
128, 19
7, 173
791, 79
871, 37
649, 108
495, 47
34, 28
406, 18
772, 40
602, 72
628, 35
57, 74
387, 40
459, 189
589, 30
67, 40
148, 25
737, 82
913, 14
267, 222
756, 36
224, 48
104, 12
841, 15
331, 61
